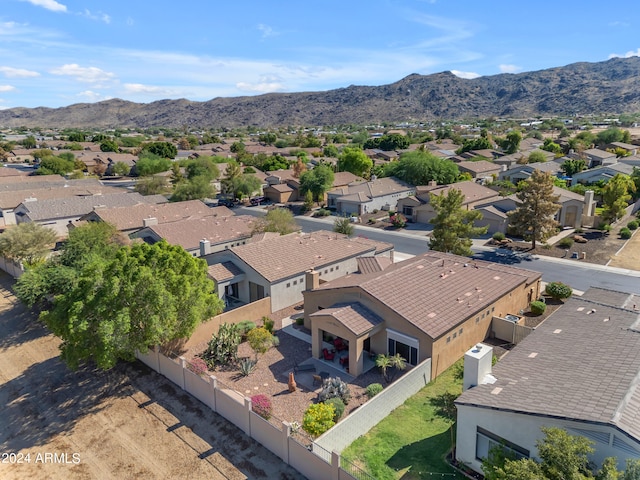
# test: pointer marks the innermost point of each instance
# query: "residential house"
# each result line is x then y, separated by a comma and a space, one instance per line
433, 306
518, 173
481, 169
283, 187
133, 218
200, 235
59, 212
595, 157
417, 208
366, 196
20, 155
603, 172
577, 371
627, 147
276, 266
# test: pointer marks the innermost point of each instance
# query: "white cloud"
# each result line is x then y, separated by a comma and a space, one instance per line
11, 72
467, 75
6, 88
263, 87
83, 74
505, 68
48, 4
153, 90
92, 96
626, 55
267, 31
100, 16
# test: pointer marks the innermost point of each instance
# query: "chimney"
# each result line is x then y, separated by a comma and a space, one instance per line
205, 247
147, 222
311, 279
477, 365
589, 204
433, 183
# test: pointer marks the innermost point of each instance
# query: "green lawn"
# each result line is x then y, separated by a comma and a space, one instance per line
414, 439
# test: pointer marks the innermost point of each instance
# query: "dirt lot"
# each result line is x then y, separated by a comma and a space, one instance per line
127, 423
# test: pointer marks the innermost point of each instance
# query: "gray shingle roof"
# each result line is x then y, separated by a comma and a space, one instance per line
582, 363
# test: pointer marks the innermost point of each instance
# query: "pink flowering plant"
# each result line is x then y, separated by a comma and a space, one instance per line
261, 405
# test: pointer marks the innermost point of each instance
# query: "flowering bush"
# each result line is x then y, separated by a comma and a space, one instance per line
197, 366
261, 405
318, 419
398, 220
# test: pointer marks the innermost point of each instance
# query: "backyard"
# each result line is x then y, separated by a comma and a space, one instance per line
413, 441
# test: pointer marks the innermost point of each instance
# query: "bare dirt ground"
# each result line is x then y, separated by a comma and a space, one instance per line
126, 423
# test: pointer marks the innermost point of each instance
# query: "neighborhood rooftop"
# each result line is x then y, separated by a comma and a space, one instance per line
288, 255
582, 363
436, 290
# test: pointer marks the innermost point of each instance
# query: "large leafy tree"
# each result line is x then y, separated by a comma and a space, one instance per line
512, 142
534, 217
572, 166
245, 185
147, 295
150, 164
162, 149
195, 189
421, 167
278, 220
616, 196
152, 186
317, 181
202, 167
354, 160
27, 242
453, 225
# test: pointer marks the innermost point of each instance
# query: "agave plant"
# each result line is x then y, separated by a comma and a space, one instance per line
334, 387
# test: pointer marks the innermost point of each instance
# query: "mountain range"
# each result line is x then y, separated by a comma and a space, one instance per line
609, 87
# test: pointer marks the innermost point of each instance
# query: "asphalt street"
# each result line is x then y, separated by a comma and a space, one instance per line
579, 276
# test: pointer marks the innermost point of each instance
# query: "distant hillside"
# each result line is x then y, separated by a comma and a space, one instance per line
610, 87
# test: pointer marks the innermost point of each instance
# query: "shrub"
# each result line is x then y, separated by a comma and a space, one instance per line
300, 321
275, 341
372, 221
223, 346
578, 230
268, 324
198, 366
398, 220
558, 290
338, 406
323, 212
334, 387
260, 340
246, 366
632, 225
625, 233
546, 246
498, 236
245, 326
318, 419
374, 211
566, 242
261, 405
537, 307
373, 389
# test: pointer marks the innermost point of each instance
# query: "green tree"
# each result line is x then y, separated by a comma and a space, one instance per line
40, 283
572, 166
268, 138
453, 224
109, 146
176, 174
202, 167
58, 165
278, 220
232, 172
95, 240
330, 151
534, 216
29, 142
551, 146
354, 160
558, 290
421, 167
343, 225
147, 295
632, 470
317, 181
76, 137
260, 340
161, 149
245, 185
564, 456
611, 135
616, 196
152, 186
512, 143
237, 147
275, 162
120, 168
536, 157
28, 242
151, 164
609, 470
196, 189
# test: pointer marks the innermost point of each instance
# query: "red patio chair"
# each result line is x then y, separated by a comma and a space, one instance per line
339, 345
328, 355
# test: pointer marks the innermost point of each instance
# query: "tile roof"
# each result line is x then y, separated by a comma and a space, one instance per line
435, 291
132, 217
12, 172
11, 199
480, 166
288, 255
357, 318
472, 191
373, 264
582, 363
379, 187
78, 206
224, 271
188, 232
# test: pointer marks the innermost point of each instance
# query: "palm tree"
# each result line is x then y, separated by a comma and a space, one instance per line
385, 361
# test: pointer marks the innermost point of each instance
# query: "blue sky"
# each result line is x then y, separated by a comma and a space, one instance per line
60, 52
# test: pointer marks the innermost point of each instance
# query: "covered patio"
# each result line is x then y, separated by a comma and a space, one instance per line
341, 336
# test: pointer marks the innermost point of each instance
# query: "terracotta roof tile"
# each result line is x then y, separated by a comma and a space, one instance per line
221, 272
354, 316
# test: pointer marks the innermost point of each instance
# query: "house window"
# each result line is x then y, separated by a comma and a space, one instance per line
493, 309
448, 339
460, 331
295, 282
407, 211
326, 271
404, 345
337, 267
455, 334
485, 441
288, 284
331, 269
477, 320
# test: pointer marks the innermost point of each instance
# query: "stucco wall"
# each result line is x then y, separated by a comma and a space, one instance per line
524, 431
